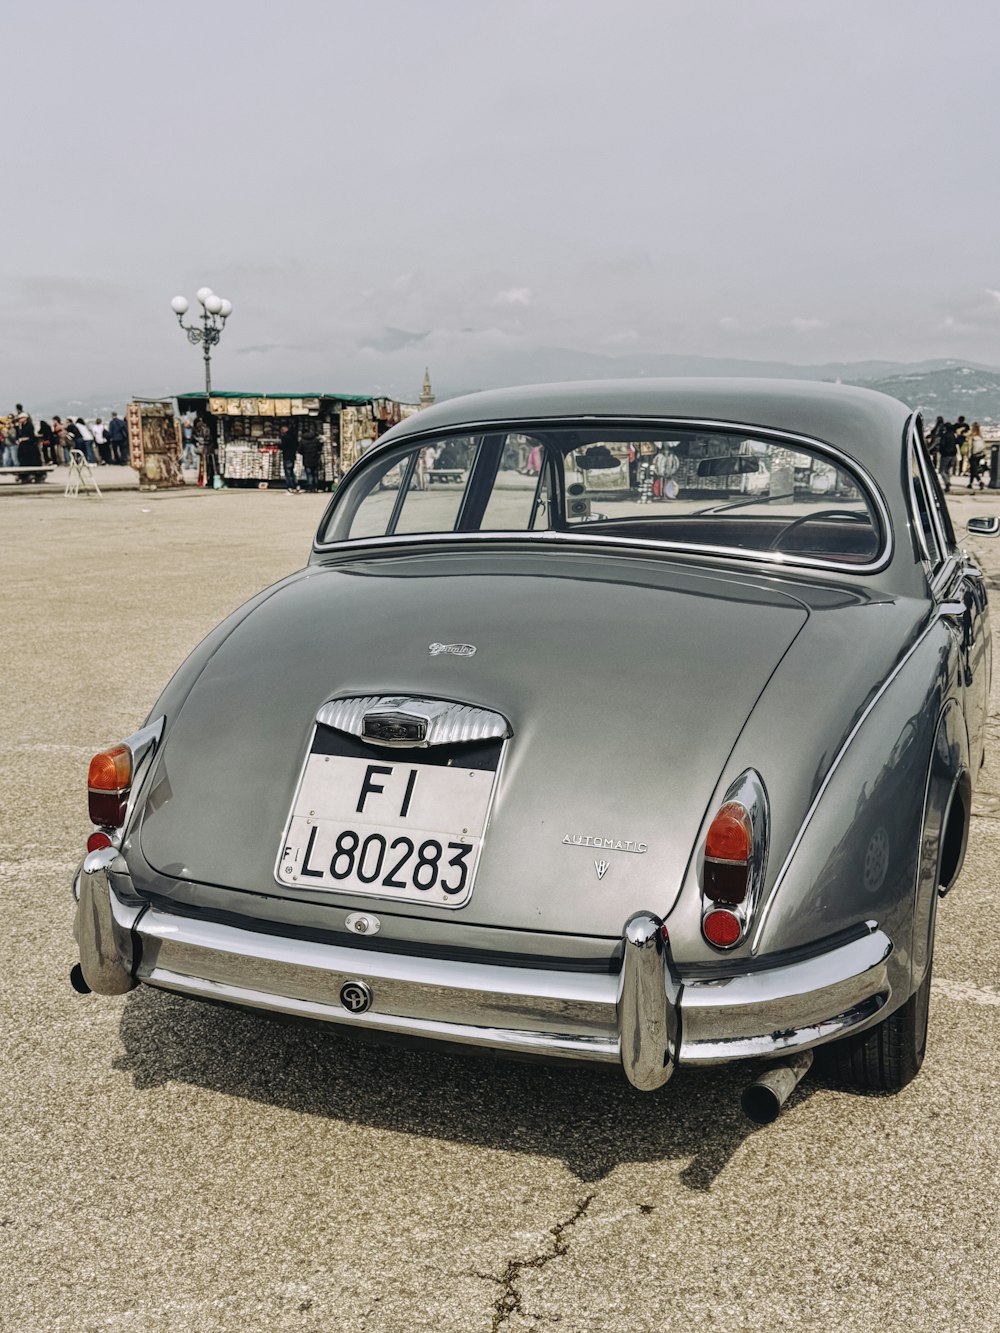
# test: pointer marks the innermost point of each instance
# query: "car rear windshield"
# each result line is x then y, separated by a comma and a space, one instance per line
702, 488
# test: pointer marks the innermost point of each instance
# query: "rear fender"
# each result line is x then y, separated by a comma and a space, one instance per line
944, 832
865, 839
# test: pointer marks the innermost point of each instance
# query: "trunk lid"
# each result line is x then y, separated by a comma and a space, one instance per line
626, 683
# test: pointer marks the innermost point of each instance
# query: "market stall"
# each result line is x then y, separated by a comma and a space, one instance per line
245, 430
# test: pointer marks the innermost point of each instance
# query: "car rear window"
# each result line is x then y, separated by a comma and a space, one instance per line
686, 486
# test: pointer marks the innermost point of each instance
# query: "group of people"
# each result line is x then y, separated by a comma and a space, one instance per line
309, 449
959, 450
49, 444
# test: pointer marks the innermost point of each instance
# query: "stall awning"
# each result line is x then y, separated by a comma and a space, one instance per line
297, 393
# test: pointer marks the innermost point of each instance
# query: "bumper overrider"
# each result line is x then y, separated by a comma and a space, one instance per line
647, 1017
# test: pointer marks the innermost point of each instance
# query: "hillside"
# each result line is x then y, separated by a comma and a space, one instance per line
950, 391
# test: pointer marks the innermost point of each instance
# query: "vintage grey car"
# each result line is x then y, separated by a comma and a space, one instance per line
631, 722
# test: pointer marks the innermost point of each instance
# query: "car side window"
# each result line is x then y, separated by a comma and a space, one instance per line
519, 497
436, 488
420, 490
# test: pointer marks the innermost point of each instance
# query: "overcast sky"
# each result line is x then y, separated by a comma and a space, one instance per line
378, 185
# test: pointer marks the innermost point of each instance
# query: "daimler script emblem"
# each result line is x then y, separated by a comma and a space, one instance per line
455, 649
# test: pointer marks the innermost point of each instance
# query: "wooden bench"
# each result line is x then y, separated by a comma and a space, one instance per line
445, 474
28, 474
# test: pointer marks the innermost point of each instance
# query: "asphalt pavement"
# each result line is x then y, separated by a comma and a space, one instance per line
167, 1165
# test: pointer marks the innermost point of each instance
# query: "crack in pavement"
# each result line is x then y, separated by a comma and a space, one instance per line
509, 1300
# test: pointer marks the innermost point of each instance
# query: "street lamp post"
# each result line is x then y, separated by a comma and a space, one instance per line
215, 310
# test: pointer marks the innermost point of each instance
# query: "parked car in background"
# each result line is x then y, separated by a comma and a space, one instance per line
577, 765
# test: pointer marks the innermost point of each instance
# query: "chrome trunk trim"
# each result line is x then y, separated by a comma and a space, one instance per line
444, 722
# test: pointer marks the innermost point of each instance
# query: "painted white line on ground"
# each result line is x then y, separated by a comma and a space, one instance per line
48, 747
41, 865
964, 993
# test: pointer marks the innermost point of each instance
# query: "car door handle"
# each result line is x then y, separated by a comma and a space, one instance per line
953, 609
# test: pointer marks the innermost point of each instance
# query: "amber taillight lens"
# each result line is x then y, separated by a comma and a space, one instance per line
108, 783
728, 853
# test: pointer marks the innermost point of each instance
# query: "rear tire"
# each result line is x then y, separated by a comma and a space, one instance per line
887, 1056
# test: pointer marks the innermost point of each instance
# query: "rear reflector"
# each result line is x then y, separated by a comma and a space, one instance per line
722, 928
96, 841
108, 783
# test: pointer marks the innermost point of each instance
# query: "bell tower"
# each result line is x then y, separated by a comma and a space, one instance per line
426, 393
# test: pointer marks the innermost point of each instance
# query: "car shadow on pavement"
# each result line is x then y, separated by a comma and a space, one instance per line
589, 1117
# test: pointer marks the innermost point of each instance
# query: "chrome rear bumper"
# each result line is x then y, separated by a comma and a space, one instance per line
644, 1018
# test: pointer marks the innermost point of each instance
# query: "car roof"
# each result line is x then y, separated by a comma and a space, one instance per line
865, 425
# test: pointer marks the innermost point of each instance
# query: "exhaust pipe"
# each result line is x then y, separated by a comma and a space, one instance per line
77, 981
765, 1097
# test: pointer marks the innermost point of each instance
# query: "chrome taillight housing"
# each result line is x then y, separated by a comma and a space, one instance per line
735, 855
115, 773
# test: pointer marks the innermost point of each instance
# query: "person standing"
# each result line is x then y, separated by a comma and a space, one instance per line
310, 449
85, 440
10, 443
27, 442
207, 461
977, 456
289, 448
63, 440
948, 452
934, 441
74, 440
118, 437
101, 442
962, 443
47, 440
188, 457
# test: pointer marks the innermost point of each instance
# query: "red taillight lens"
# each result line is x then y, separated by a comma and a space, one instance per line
722, 928
96, 841
108, 783
728, 852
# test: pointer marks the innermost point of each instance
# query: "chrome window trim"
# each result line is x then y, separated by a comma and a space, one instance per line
786, 438
913, 458
936, 497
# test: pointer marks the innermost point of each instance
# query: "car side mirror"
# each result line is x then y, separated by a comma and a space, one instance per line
984, 526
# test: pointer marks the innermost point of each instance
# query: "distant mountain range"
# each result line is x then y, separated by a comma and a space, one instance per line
945, 387
952, 390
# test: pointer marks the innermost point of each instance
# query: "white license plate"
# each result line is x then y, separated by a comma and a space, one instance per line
400, 830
